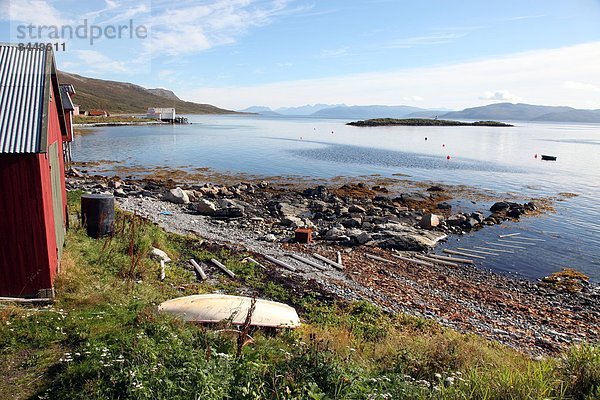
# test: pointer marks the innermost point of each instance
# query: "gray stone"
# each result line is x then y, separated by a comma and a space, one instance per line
336, 234
120, 193
292, 221
177, 196
288, 210
205, 207
229, 209
429, 221
193, 195
356, 209
456, 220
352, 222
270, 238
363, 238
479, 217
499, 206
414, 197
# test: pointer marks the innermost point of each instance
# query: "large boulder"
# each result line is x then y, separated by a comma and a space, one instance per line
456, 220
414, 197
288, 210
336, 234
499, 207
177, 196
229, 209
205, 207
429, 221
405, 237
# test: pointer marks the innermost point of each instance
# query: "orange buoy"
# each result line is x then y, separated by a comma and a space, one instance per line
425, 138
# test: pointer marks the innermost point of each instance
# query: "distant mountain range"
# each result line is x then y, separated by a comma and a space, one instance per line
527, 112
122, 97
495, 112
344, 111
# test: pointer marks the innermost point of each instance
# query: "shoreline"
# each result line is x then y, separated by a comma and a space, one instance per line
100, 124
260, 218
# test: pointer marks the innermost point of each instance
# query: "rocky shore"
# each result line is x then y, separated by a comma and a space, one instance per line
368, 225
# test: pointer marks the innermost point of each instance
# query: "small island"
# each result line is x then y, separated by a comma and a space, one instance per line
422, 122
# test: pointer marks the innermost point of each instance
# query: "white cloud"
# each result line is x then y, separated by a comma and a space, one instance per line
330, 53
522, 17
434, 38
184, 29
582, 86
538, 76
500, 95
94, 62
412, 99
36, 12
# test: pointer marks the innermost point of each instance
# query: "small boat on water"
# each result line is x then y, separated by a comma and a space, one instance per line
214, 308
548, 158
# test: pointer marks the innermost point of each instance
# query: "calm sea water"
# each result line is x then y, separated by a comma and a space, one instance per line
497, 159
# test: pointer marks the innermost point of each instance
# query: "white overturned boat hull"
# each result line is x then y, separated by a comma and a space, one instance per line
213, 308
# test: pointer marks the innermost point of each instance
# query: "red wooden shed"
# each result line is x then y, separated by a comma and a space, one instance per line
32, 181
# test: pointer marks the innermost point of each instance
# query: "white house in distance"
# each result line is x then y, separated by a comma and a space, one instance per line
163, 114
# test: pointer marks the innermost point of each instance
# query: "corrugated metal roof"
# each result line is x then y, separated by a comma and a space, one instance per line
66, 98
22, 82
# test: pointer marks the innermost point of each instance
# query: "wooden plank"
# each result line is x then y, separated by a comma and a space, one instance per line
489, 253
328, 261
224, 268
435, 261
460, 253
517, 242
492, 249
253, 261
412, 260
280, 263
451, 259
309, 262
162, 270
532, 239
198, 269
508, 235
506, 245
377, 258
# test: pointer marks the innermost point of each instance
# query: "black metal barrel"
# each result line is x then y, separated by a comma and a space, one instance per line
98, 214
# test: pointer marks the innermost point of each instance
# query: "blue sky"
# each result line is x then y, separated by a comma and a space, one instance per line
237, 53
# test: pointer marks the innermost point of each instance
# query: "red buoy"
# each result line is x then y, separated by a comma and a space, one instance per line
447, 157
443, 145
535, 156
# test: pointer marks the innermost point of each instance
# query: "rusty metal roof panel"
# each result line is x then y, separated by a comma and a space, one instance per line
23, 75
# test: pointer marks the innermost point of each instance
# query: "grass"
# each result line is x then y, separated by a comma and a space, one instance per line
103, 339
86, 119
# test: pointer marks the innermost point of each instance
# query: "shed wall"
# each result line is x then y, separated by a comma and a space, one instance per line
25, 266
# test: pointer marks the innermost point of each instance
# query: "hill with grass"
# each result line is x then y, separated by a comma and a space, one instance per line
123, 97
